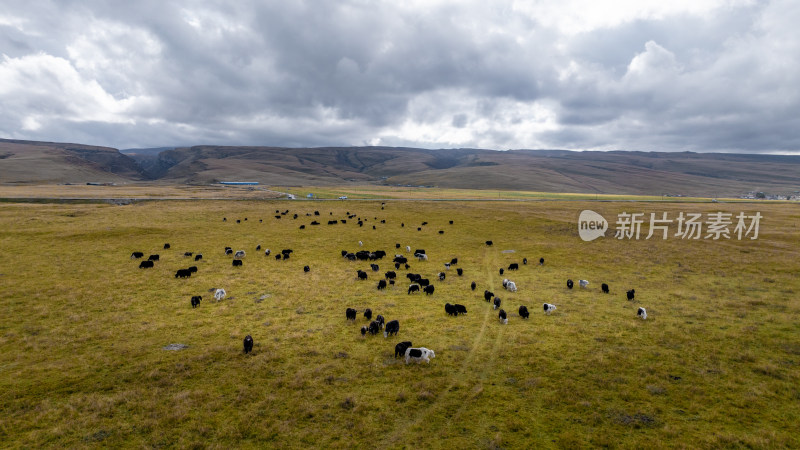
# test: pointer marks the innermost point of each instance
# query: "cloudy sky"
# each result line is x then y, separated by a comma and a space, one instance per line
698, 75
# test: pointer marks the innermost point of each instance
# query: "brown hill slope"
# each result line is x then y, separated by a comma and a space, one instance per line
618, 172
705, 174
49, 162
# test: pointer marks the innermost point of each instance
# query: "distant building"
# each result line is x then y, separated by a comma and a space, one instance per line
239, 183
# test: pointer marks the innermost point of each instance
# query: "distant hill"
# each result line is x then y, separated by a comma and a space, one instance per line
615, 172
50, 162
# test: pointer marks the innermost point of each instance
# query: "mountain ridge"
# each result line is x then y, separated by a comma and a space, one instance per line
548, 170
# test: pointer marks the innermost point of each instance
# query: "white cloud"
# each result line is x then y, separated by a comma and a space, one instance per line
679, 75
52, 87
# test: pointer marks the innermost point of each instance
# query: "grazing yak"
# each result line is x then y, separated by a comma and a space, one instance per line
524, 260
442, 276
509, 285
523, 312
473, 285
569, 284
487, 295
146, 264
460, 309
196, 300
374, 327
642, 313
489, 243
390, 275
392, 327
401, 347
421, 256
450, 309
248, 344
237, 262
548, 308
454, 261
350, 314
198, 257
166, 246
361, 274
583, 283
364, 330
380, 320
501, 271
513, 266
428, 289
368, 314
381, 284
220, 294
496, 302
187, 253
460, 271
153, 258
137, 255
631, 294
306, 269
183, 273
192, 269
413, 288
239, 254
419, 355
604, 288
541, 261
374, 267
503, 317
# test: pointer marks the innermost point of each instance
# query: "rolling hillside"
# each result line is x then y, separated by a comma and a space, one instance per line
49, 162
616, 172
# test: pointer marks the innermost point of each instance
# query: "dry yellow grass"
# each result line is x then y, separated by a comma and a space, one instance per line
82, 365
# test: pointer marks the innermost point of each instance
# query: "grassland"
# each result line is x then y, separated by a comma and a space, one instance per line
716, 364
157, 191
424, 193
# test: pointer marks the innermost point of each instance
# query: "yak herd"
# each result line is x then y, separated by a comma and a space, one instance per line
417, 283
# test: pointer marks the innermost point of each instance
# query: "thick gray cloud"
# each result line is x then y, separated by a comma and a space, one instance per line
715, 75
